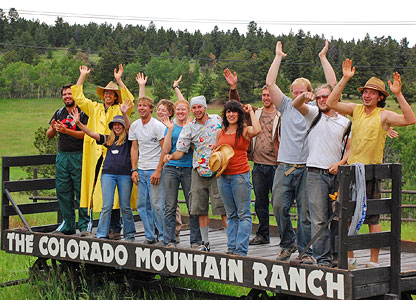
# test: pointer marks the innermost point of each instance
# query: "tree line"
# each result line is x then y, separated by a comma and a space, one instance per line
27, 69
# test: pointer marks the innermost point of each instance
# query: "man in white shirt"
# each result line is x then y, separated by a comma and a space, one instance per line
325, 141
147, 135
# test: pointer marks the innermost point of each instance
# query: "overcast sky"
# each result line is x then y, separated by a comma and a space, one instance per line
342, 19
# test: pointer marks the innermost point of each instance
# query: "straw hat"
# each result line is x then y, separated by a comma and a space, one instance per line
375, 84
219, 160
110, 86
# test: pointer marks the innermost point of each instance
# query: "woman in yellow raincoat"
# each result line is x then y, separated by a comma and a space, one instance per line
99, 116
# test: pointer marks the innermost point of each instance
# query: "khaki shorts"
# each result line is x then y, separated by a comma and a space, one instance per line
203, 188
373, 192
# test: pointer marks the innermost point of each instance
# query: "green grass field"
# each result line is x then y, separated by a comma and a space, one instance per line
21, 118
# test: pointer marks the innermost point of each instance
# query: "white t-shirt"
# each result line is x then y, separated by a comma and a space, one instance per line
293, 148
148, 137
325, 139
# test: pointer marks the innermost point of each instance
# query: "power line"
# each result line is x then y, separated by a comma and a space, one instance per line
198, 58
220, 21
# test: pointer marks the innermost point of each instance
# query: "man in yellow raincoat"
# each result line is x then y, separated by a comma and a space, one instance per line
100, 114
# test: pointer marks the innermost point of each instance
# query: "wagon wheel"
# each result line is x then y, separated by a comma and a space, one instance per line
40, 269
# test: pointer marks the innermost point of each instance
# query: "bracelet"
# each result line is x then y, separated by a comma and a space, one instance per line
133, 170
176, 87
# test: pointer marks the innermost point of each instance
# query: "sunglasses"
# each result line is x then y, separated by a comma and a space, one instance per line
324, 96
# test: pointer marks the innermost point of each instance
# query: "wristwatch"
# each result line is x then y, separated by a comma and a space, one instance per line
133, 170
176, 87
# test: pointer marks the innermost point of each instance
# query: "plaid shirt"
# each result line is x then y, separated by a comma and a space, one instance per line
203, 136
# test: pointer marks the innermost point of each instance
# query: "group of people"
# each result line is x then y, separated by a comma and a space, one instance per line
296, 146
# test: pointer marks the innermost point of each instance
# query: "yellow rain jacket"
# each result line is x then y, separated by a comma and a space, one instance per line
98, 119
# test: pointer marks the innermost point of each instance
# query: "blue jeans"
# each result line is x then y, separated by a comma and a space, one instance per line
235, 191
319, 186
151, 205
285, 190
173, 176
108, 186
262, 176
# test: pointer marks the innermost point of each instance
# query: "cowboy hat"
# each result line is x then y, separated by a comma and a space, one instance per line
219, 160
110, 86
375, 84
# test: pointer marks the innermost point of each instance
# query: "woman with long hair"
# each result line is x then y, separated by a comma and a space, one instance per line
234, 183
115, 171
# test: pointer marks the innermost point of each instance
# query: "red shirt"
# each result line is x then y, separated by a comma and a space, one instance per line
238, 164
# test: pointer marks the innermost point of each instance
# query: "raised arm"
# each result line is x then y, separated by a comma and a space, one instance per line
255, 127
300, 102
127, 105
348, 72
329, 72
75, 116
232, 80
275, 93
118, 74
175, 86
141, 80
390, 118
167, 144
83, 72
86, 105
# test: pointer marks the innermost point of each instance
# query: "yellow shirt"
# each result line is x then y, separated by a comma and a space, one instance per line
98, 119
367, 136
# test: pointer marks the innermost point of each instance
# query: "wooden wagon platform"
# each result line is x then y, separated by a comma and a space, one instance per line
395, 278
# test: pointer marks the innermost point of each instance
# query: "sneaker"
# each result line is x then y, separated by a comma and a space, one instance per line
326, 264
113, 235
258, 240
170, 245
307, 259
131, 239
372, 265
195, 246
57, 232
230, 252
84, 233
286, 253
204, 247
352, 264
149, 242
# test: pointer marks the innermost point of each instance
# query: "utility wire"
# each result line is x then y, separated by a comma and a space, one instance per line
221, 21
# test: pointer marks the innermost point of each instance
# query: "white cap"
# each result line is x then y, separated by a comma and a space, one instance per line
199, 100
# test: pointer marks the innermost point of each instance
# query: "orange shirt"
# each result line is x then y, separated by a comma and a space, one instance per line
238, 164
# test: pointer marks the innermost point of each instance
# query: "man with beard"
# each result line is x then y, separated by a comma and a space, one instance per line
290, 177
325, 141
68, 162
370, 124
